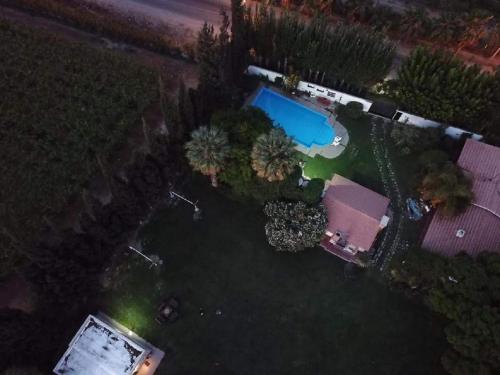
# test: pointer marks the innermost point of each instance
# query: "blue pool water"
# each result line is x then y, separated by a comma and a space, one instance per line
304, 125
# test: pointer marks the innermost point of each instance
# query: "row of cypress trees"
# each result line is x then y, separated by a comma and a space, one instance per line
438, 86
317, 50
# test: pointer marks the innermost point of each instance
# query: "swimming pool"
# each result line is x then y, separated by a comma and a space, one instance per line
304, 125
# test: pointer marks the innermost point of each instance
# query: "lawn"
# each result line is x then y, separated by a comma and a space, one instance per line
356, 162
280, 313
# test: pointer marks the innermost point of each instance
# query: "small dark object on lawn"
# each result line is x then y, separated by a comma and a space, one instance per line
167, 311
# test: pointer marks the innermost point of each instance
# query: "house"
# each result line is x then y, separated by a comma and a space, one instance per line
103, 347
478, 228
356, 214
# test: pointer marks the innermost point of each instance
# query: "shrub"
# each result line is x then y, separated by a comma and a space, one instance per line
313, 190
294, 226
353, 110
409, 139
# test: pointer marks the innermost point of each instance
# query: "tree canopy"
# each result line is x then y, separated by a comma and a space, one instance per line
318, 51
207, 151
64, 107
274, 156
465, 291
438, 86
446, 186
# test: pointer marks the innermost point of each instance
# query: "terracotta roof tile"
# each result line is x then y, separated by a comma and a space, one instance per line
480, 222
354, 210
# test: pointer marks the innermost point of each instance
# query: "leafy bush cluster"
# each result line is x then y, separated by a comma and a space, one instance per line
95, 18
465, 291
317, 51
294, 226
64, 109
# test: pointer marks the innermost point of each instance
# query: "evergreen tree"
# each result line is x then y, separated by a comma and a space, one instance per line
186, 110
439, 87
317, 51
238, 39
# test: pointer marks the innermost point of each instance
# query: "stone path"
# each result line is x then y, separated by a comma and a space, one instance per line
391, 241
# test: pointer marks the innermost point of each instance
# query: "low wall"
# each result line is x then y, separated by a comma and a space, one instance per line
343, 98
333, 95
408, 118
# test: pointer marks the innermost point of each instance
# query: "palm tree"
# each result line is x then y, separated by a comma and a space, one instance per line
207, 151
274, 156
448, 189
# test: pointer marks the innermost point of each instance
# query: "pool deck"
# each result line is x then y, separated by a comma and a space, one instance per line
329, 152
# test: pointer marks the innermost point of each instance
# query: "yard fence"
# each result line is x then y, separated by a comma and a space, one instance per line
344, 98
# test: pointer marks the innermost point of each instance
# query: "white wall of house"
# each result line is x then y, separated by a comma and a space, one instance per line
343, 98
333, 95
421, 122
457, 132
269, 74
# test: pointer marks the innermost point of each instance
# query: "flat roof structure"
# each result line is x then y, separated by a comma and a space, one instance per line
98, 348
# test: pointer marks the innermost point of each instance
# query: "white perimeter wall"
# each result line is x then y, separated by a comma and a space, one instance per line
343, 98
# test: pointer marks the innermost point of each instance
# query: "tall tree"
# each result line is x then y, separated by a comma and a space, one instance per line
210, 81
225, 51
186, 110
238, 39
447, 188
207, 151
274, 156
439, 87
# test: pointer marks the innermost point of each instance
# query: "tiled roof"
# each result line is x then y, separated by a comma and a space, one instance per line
354, 210
480, 223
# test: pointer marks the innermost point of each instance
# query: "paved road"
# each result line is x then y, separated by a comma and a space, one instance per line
187, 16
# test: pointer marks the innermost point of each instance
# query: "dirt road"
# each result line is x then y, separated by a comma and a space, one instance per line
186, 16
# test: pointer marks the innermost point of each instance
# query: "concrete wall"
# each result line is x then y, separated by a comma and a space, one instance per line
457, 132
343, 98
333, 95
408, 118
312, 88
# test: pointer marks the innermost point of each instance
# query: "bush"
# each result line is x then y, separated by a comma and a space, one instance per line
313, 190
353, 110
409, 139
294, 226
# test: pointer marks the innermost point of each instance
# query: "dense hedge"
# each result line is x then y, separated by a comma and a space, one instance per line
95, 18
64, 107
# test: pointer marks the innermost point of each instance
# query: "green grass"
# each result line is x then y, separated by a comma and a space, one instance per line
356, 162
281, 313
